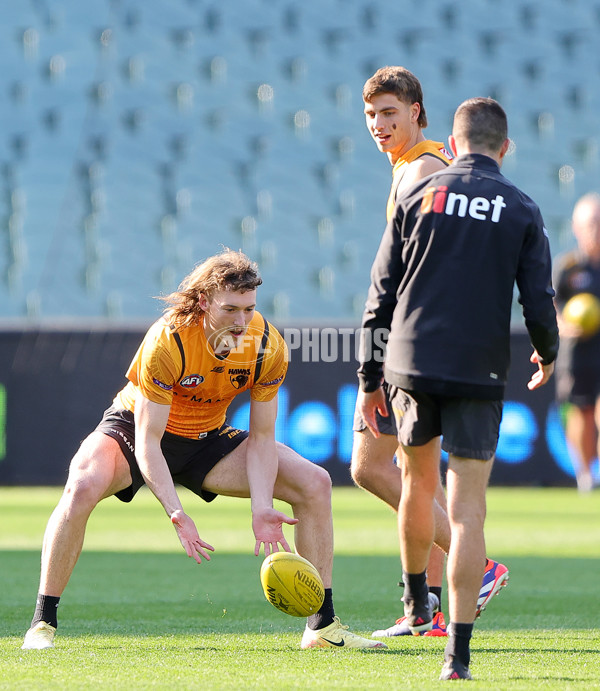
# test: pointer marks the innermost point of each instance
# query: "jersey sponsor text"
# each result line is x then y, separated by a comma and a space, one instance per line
438, 200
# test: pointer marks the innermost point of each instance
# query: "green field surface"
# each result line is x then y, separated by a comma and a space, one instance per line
138, 614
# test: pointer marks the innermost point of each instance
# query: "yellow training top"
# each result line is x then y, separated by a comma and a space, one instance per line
425, 148
180, 369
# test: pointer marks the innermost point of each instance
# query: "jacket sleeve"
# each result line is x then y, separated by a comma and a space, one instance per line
534, 280
386, 274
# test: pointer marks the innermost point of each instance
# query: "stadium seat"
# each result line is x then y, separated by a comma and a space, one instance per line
240, 124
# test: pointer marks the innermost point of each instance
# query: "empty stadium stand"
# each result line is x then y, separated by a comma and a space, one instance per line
139, 136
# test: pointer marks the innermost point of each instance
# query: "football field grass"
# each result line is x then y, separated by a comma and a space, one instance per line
138, 614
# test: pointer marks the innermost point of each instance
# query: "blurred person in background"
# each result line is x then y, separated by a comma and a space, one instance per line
578, 362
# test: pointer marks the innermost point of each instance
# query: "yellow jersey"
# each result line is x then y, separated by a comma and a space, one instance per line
425, 148
179, 368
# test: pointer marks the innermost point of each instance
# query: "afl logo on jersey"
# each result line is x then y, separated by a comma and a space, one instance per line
191, 381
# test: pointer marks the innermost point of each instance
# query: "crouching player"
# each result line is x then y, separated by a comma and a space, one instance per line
167, 426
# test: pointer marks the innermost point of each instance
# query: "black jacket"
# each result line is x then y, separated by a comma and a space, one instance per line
443, 281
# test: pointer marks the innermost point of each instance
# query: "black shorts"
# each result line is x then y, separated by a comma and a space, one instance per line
469, 426
189, 460
386, 425
579, 388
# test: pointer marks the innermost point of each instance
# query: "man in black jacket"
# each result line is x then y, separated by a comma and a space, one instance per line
442, 282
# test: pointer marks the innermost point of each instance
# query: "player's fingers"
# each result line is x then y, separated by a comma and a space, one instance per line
290, 521
372, 425
383, 409
203, 553
284, 544
191, 552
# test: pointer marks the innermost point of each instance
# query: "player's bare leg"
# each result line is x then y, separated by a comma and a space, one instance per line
98, 470
307, 488
416, 527
581, 434
300, 483
597, 426
416, 515
309, 494
372, 469
466, 480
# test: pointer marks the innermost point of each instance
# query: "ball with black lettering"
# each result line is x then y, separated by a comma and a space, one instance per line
292, 584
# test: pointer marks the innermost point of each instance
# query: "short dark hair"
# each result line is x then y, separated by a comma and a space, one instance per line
400, 82
482, 122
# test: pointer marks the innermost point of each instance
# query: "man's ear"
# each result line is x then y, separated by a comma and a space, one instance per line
203, 302
504, 149
416, 111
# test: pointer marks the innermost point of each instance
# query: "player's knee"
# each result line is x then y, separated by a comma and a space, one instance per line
420, 485
467, 516
371, 473
319, 486
372, 463
81, 494
323, 482
86, 484
360, 472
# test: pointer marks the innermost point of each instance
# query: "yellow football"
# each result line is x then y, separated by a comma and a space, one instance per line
583, 311
292, 584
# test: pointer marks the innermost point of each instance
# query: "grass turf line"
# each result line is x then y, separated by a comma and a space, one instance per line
139, 614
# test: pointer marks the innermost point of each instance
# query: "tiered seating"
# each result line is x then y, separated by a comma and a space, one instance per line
139, 137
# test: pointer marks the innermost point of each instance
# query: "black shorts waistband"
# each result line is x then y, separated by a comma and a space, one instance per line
201, 435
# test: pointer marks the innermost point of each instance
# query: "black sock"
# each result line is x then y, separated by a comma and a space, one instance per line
459, 637
324, 616
415, 586
45, 610
437, 591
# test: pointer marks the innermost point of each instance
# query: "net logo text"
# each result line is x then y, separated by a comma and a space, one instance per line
437, 200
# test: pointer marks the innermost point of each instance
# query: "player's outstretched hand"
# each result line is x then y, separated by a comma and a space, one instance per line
194, 547
266, 525
542, 374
